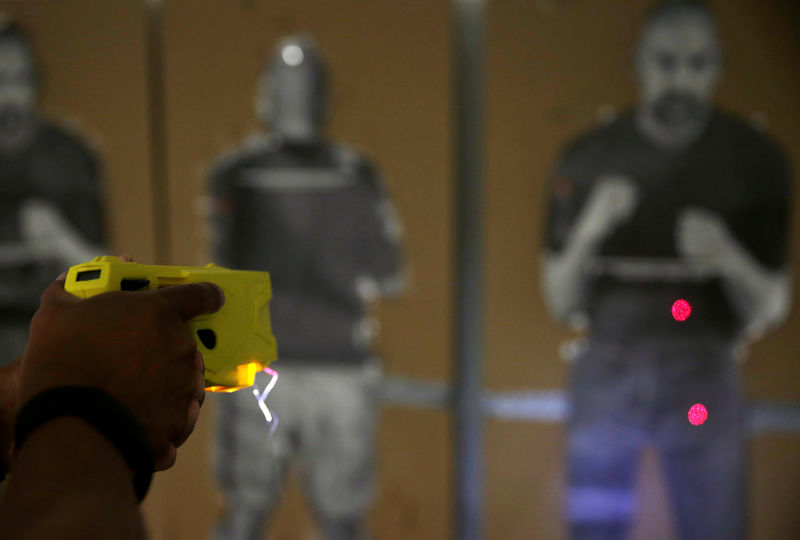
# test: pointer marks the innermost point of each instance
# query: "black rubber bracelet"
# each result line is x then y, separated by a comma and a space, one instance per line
106, 414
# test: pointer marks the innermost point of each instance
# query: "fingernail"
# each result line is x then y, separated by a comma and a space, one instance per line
62, 276
221, 295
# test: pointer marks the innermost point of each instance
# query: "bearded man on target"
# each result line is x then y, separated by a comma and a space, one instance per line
672, 201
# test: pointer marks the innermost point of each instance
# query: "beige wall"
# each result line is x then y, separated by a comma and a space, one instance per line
551, 65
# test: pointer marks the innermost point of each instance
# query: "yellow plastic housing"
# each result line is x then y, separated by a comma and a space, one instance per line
236, 341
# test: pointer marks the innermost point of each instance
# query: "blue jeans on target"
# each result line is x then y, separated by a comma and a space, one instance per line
626, 396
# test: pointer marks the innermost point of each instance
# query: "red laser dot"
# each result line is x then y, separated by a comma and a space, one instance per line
697, 414
681, 310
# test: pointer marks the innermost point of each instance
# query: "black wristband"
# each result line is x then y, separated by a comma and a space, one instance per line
106, 414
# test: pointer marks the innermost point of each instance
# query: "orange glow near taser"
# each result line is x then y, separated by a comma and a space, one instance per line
223, 389
681, 309
245, 374
697, 414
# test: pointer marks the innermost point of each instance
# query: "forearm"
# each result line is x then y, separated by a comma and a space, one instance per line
760, 296
68, 481
564, 278
44, 225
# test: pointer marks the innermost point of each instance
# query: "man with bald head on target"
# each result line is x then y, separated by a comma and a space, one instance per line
666, 240
317, 216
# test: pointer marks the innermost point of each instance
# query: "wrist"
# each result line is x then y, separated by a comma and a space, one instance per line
105, 414
81, 451
69, 479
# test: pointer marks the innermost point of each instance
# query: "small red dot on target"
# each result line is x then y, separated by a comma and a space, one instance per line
697, 414
681, 310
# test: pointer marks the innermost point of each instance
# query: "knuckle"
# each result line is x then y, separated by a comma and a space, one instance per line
185, 343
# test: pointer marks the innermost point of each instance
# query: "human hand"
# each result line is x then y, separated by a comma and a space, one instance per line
134, 346
611, 202
9, 404
702, 238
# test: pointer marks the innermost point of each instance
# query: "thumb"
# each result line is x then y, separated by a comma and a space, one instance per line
193, 299
55, 292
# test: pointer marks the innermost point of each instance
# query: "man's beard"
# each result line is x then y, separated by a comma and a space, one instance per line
678, 110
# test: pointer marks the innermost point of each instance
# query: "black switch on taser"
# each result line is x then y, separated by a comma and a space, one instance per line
133, 284
208, 338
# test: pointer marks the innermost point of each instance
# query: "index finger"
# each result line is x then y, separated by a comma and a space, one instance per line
193, 299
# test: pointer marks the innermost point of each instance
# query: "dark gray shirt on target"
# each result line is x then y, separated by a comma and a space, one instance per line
732, 170
318, 218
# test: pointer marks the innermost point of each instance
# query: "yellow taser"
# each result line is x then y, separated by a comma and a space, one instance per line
236, 341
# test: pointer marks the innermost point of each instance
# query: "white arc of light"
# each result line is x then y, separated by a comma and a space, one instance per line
262, 396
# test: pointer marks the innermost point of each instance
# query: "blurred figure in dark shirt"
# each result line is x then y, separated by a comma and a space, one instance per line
50, 200
674, 200
318, 217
